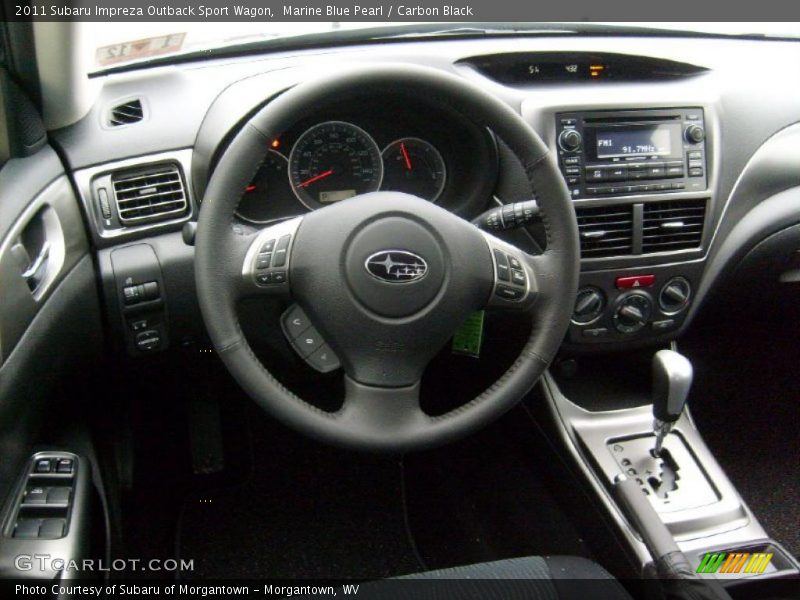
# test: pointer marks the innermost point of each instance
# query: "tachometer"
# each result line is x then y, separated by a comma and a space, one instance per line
414, 166
269, 186
334, 161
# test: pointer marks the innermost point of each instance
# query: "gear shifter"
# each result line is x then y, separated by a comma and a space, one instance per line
672, 378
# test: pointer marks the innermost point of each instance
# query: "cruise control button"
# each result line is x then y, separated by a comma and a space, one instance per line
308, 342
280, 251
509, 293
323, 360
518, 277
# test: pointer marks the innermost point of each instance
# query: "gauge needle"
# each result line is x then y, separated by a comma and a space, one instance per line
250, 188
311, 180
405, 155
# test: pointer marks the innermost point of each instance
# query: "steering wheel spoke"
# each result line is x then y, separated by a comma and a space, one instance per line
382, 414
265, 270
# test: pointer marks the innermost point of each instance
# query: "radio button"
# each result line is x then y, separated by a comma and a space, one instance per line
572, 170
695, 154
572, 180
678, 185
595, 174
695, 164
695, 172
617, 173
655, 172
572, 160
675, 171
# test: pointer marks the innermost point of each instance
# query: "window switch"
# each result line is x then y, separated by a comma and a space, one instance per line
64, 465
35, 495
58, 495
52, 528
43, 466
27, 529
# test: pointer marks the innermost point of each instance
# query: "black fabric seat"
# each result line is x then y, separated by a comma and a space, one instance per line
534, 578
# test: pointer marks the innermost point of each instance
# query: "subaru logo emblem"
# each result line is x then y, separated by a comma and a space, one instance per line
396, 266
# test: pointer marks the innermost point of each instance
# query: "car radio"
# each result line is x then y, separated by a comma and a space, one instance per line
616, 153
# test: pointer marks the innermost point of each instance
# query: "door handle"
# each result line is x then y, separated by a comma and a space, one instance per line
35, 272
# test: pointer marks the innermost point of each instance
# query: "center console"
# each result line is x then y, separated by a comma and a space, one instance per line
641, 182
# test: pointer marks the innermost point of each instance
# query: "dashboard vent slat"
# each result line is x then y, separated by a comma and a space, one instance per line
153, 195
605, 231
673, 225
127, 113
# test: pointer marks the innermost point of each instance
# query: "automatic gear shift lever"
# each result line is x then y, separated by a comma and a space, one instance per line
672, 378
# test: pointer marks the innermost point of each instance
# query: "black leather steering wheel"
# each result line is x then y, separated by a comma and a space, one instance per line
386, 319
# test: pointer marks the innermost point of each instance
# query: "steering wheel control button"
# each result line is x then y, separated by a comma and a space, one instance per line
635, 281
518, 277
502, 266
307, 341
323, 360
281, 250
295, 322
279, 277
509, 293
263, 260
267, 247
263, 278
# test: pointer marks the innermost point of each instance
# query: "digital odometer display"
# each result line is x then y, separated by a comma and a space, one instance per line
652, 140
334, 161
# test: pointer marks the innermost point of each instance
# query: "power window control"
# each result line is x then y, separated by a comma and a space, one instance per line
45, 465
27, 529
52, 528
307, 341
35, 495
64, 465
58, 495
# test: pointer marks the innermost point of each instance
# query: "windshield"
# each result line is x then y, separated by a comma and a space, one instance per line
118, 44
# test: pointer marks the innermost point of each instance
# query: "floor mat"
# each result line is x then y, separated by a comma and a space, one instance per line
749, 415
484, 499
308, 511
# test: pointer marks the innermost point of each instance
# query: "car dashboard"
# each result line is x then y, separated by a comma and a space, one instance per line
656, 138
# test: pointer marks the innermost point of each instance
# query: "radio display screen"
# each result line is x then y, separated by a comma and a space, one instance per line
633, 140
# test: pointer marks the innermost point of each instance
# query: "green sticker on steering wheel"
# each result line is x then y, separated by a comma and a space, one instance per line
468, 337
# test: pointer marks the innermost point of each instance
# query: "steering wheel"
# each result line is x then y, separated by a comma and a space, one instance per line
385, 277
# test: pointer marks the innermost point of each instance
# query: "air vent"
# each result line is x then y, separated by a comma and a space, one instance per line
673, 225
605, 230
154, 194
128, 113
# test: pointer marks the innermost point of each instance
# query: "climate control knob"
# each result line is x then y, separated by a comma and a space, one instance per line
694, 134
633, 312
674, 296
589, 305
570, 140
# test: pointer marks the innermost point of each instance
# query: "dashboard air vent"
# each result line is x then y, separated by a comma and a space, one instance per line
127, 113
673, 225
153, 194
605, 230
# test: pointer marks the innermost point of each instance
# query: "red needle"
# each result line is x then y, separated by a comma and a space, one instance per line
308, 182
250, 188
405, 155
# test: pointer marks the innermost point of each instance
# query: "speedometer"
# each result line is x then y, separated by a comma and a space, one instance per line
334, 161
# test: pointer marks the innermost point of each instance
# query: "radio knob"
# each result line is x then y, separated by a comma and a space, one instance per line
695, 134
570, 140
